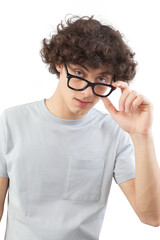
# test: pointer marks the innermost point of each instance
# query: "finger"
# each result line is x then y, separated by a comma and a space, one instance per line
121, 84
138, 101
123, 98
109, 106
130, 99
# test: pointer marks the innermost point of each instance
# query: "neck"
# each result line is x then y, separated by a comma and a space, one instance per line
54, 104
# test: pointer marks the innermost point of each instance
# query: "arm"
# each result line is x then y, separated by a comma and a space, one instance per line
147, 181
4, 183
143, 192
135, 117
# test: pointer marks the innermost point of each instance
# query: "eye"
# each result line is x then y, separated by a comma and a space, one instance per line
104, 79
79, 73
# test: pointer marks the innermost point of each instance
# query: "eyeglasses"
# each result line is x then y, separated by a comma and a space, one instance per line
78, 84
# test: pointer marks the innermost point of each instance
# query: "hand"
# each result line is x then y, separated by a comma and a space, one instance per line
135, 115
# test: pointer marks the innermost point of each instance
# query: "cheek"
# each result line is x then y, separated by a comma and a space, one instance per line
96, 99
68, 93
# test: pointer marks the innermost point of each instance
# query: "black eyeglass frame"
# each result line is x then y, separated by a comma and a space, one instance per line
69, 76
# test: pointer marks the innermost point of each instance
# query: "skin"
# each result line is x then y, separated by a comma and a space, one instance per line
135, 117
4, 184
63, 104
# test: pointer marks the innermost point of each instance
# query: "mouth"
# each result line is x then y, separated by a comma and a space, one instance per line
81, 103
82, 100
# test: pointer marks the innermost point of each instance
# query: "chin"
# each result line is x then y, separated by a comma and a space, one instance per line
79, 112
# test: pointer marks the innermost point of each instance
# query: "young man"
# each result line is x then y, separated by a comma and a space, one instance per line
58, 155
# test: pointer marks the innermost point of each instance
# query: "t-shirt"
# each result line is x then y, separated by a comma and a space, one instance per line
60, 171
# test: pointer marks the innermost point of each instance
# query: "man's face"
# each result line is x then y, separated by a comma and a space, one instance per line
72, 108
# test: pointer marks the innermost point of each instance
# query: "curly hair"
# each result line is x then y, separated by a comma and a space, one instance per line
88, 41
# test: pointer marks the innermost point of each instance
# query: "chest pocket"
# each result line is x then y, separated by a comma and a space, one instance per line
84, 179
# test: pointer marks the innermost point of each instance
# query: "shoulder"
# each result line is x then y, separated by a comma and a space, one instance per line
17, 113
109, 125
106, 119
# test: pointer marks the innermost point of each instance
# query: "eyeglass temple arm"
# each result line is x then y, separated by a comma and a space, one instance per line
65, 66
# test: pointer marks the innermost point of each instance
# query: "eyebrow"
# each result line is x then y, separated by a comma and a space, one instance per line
102, 73
84, 67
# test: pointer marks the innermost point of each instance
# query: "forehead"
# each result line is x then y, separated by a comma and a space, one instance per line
104, 69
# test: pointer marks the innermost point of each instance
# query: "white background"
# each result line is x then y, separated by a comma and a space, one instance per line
25, 78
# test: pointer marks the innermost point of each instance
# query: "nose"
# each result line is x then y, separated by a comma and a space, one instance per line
88, 91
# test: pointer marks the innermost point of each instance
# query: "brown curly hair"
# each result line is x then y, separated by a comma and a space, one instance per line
88, 41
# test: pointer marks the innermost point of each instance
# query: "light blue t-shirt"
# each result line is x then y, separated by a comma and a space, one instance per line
60, 171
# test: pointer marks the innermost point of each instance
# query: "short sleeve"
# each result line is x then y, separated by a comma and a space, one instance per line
124, 168
3, 164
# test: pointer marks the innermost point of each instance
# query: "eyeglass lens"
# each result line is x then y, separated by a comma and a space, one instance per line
79, 84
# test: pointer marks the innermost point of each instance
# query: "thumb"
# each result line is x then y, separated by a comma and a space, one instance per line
109, 106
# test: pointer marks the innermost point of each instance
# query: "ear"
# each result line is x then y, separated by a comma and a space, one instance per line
59, 67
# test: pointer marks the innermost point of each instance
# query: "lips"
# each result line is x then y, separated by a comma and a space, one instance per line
82, 101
